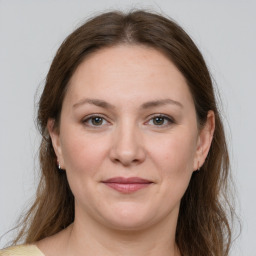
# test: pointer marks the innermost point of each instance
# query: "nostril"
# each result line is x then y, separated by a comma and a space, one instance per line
127, 161
127, 149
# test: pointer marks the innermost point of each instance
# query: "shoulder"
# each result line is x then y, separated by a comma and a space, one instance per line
21, 250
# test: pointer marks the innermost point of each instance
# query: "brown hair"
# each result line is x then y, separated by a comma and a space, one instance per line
203, 225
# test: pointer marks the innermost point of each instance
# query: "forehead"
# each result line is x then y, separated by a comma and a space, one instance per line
128, 71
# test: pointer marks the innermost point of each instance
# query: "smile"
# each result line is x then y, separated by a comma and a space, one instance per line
127, 185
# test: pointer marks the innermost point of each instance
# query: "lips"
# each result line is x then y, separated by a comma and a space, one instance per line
127, 185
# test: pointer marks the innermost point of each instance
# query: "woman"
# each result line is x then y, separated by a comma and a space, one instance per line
133, 154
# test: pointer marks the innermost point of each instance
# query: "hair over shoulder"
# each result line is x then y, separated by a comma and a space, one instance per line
204, 223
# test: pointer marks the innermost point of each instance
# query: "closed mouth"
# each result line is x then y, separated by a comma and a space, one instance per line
127, 185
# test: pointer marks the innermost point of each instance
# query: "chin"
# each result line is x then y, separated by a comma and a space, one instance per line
129, 218
128, 225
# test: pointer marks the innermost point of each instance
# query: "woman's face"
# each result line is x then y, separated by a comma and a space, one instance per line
128, 113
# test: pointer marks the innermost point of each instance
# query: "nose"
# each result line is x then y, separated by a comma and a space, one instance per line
127, 146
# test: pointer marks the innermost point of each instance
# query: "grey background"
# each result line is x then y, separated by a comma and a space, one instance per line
30, 33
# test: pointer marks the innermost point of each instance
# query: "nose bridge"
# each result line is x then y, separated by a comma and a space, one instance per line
127, 147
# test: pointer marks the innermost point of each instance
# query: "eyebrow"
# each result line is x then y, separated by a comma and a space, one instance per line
96, 102
162, 102
146, 105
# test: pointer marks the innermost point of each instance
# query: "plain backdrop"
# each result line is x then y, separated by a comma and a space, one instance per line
31, 32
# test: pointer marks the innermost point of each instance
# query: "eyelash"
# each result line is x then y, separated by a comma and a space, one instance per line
167, 119
89, 118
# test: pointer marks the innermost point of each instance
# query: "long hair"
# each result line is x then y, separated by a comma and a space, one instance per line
203, 226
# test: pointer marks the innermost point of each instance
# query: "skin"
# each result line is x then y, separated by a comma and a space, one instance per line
127, 141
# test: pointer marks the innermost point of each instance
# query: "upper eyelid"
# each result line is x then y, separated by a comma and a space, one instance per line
89, 117
161, 115
150, 117
94, 115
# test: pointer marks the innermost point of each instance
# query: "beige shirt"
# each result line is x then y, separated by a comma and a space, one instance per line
21, 250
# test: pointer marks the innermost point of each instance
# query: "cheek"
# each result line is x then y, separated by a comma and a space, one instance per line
177, 149
174, 158
83, 153
83, 156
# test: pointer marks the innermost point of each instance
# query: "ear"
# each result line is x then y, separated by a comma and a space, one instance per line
204, 140
55, 137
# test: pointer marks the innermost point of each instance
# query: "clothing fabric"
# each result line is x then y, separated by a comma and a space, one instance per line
21, 250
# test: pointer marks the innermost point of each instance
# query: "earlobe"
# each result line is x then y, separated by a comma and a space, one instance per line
54, 134
205, 140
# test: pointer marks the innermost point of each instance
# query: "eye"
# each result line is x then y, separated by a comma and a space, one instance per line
95, 121
161, 120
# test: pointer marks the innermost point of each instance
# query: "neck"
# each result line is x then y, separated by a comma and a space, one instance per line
90, 238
